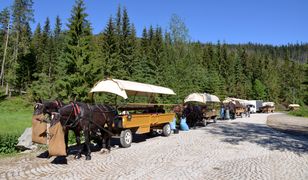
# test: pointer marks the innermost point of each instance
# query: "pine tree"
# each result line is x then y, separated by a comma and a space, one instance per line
259, 89
57, 30
112, 66
4, 35
48, 59
125, 46
37, 48
19, 69
76, 66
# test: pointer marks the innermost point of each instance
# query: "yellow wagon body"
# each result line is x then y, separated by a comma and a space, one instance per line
144, 122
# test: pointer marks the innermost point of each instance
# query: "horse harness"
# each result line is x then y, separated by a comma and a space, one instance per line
77, 113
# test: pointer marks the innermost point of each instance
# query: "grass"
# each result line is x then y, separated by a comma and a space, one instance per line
302, 112
15, 115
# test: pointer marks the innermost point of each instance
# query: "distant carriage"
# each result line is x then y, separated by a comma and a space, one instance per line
293, 107
267, 107
208, 107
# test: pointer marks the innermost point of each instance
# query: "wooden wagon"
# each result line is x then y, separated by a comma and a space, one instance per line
138, 118
293, 107
208, 104
267, 109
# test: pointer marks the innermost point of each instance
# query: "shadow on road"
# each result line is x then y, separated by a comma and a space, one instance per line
262, 135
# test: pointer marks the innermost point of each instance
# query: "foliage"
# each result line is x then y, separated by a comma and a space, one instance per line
259, 90
57, 63
15, 117
7, 143
302, 112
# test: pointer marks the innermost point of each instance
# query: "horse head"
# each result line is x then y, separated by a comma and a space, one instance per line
38, 108
55, 118
47, 107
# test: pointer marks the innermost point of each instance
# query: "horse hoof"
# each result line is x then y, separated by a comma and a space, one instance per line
88, 158
77, 156
103, 151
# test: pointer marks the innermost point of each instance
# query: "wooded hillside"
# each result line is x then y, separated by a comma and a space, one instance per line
65, 62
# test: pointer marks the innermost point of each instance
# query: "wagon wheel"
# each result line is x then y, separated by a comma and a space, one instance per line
166, 130
126, 138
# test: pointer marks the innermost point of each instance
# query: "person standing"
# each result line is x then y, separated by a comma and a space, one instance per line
222, 112
248, 110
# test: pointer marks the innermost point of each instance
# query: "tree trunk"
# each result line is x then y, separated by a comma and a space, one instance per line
4, 54
7, 89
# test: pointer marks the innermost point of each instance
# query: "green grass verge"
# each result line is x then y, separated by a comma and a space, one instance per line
302, 112
16, 115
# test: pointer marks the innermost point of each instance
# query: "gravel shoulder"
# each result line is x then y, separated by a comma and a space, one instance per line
245, 148
287, 123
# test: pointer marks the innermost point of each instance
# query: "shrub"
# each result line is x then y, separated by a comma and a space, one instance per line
302, 112
8, 143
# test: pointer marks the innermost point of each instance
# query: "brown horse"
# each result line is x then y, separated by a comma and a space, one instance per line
91, 119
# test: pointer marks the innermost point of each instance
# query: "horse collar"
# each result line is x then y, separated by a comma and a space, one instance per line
76, 109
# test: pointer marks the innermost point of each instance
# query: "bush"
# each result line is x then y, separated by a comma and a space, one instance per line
302, 112
8, 143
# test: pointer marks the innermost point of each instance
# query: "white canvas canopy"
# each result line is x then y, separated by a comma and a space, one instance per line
124, 88
242, 101
294, 105
268, 104
201, 97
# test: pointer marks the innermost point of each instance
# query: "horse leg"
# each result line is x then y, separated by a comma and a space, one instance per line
77, 135
87, 144
66, 139
103, 139
108, 139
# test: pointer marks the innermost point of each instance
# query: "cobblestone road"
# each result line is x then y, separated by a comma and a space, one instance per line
244, 148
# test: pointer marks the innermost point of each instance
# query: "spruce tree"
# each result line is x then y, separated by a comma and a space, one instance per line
112, 66
77, 77
4, 35
18, 74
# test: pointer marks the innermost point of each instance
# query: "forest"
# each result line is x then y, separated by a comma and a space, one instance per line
64, 62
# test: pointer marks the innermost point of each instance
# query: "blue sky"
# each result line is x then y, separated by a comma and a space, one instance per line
274, 22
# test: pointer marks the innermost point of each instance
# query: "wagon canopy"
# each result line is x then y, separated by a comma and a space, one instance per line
242, 101
294, 105
201, 97
124, 88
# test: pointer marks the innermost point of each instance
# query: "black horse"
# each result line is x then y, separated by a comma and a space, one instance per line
47, 107
93, 120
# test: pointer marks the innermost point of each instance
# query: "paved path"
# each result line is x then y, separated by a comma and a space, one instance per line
244, 148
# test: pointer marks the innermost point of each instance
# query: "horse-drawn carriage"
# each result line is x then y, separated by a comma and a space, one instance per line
293, 107
139, 118
267, 107
207, 104
99, 121
239, 109
235, 106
